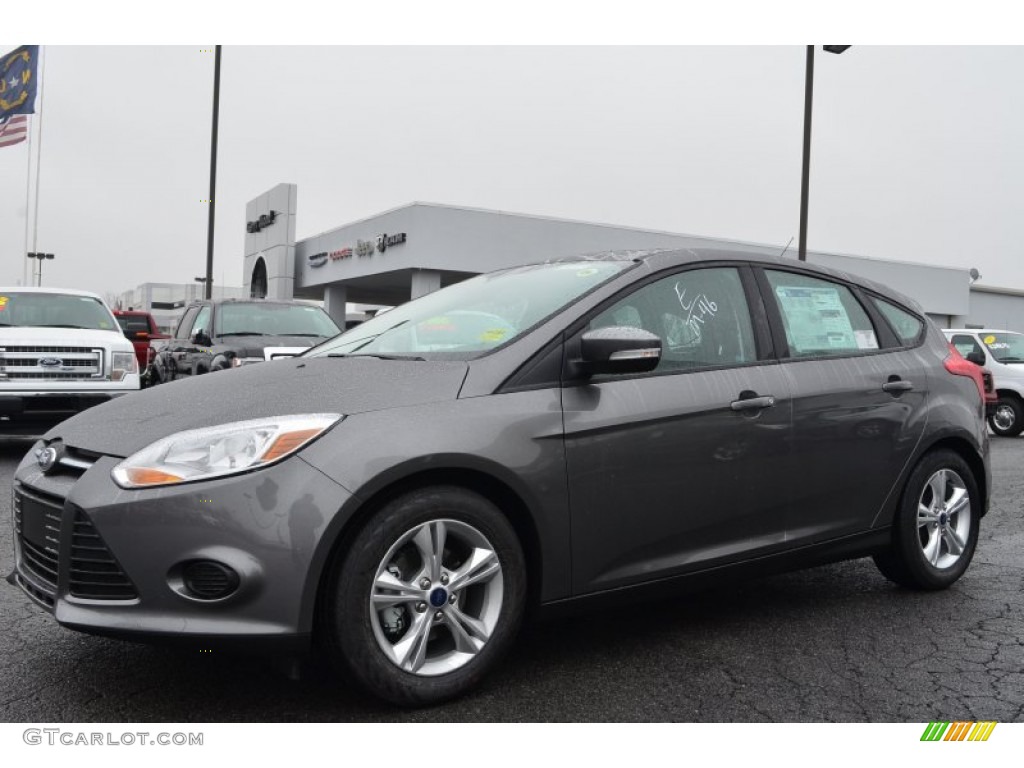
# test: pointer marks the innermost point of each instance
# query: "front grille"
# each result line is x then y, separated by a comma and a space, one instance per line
65, 363
95, 573
37, 524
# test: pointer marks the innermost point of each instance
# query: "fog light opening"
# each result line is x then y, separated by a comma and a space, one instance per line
209, 580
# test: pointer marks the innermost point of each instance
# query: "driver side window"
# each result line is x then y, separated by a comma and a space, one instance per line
701, 316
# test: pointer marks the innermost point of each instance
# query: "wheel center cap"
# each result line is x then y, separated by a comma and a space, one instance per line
943, 518
438, 597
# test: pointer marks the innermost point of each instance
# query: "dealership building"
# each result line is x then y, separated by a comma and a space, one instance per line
417, 248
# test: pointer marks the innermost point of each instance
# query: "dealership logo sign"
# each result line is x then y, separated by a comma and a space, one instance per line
317, 259
264, 221
364, 248
385, 241
341, 253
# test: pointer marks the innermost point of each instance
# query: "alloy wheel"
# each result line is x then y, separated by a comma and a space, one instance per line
436, 597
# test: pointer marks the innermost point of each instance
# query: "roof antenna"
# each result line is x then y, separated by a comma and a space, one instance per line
787, 247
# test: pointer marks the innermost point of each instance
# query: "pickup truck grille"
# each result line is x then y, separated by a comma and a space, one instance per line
50, 363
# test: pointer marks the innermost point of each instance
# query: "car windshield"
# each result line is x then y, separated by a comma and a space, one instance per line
266, 319
1005, 347
473, 317
54, 310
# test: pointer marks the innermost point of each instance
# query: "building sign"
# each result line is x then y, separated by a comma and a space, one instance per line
364, 248
341, 253
385, 241
262, 222
317, 259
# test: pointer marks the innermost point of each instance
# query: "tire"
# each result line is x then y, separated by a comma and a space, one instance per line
936, 527
414, 631
1008, 420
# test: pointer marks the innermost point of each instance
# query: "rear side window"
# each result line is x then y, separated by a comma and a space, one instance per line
820, 317
907, 327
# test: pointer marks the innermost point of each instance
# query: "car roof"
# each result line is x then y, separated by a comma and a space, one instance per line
34, 289
977, 330
661, 258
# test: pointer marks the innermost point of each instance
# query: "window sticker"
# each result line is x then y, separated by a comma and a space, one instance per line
989, 339
496, 334
866, 339
818, 320
3, 303
586, 272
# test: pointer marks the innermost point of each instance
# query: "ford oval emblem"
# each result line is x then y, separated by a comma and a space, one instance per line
50, 362
47, 458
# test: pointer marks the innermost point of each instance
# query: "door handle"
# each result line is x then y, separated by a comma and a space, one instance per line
752, 403
896, 386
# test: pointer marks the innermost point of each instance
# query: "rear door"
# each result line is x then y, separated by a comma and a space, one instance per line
858, 390
688, 466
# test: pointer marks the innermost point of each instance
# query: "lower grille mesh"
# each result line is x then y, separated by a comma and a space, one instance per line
95, 573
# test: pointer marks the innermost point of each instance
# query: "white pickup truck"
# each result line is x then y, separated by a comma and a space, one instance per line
61, 351
1002, 353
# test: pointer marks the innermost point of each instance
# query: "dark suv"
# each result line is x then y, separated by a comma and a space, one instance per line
230, 333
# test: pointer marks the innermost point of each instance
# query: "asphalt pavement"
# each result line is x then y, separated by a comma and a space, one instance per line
834, 643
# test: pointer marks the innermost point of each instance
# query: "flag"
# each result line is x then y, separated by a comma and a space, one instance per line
18, 81
13, 130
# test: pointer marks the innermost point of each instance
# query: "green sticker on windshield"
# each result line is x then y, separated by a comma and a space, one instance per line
587, 272
495, 334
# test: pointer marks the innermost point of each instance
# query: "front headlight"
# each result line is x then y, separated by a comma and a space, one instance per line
227, 449
121, 364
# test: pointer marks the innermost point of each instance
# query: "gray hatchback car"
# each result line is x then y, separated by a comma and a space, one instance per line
540, 436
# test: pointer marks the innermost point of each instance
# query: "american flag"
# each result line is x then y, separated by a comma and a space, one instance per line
13, 130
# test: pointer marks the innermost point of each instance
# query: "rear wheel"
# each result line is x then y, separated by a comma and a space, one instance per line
1008, 418
936, 527
428, 597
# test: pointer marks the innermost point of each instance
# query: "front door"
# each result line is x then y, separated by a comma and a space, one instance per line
688, 466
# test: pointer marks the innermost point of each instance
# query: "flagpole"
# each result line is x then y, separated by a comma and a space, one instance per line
39, 155
28, 204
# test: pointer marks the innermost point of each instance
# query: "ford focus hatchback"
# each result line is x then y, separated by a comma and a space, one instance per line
534, 437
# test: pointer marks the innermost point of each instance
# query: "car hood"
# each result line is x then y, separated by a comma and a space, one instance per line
315, 385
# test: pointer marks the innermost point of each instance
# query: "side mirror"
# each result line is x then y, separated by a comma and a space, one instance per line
201, 338
618, 349
976, 357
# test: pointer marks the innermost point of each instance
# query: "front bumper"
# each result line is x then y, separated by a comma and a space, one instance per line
107, 561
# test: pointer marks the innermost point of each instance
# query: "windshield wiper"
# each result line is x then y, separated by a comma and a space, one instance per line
247, 333
1010, 359
381, 357
315, 335
68, 325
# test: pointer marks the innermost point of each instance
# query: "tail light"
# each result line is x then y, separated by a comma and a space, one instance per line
958, 366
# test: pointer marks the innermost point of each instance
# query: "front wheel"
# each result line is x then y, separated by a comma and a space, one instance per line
936, 527
1008, 418
428, 597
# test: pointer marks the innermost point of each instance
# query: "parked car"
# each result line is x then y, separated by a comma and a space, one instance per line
543, 436
230, 333
141, 329
1002, 352
61, 351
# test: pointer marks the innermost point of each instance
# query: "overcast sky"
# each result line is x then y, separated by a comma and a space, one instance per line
917, 152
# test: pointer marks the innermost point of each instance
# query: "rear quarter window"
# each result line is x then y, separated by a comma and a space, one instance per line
908, 327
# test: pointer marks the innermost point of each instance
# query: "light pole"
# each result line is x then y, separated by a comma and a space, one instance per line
806, 174
41, 257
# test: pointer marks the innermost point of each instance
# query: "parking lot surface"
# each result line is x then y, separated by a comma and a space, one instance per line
835, 643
